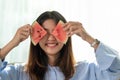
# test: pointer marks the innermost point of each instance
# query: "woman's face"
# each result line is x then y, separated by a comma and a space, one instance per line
49, 43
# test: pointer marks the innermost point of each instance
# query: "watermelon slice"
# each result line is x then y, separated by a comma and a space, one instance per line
59, 33
38, 32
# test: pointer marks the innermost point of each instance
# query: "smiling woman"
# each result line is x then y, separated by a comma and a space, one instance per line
100, 21
51, 59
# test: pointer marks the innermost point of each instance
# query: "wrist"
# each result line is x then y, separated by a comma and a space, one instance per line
14, 43
92, 41
89, 39
95, 43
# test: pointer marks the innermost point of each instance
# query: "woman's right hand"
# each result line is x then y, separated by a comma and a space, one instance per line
22, 34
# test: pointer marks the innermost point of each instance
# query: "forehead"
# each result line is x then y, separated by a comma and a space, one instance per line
49, 24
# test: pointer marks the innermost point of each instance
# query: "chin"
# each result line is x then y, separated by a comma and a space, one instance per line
51, 52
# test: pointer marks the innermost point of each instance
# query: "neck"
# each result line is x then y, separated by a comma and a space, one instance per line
52, 59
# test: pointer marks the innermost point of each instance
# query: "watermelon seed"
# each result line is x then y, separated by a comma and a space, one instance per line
38, 31
39, 35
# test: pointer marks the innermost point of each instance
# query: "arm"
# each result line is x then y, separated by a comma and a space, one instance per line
77, 28
5, 50
21, 34
12, 72
104, 54
107, 58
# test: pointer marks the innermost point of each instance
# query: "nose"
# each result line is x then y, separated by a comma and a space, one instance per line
51, 37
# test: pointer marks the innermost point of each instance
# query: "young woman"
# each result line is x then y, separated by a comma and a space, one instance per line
53, 60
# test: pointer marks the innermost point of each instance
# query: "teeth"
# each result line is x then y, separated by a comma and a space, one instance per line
51, 45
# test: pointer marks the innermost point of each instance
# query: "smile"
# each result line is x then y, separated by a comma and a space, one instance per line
51, 44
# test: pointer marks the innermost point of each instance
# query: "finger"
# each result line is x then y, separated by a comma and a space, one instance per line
23, 37
67, 27
72, 33
69, 31
25, 33
31, 30
64, 25
75, 32
26, 27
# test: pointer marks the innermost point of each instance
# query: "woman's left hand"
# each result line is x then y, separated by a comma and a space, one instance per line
75, 28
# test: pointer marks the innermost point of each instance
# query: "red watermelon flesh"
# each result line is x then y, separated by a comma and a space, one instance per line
59, 33
38, 33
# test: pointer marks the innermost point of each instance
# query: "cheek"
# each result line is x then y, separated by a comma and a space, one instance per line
42, 43
59, 47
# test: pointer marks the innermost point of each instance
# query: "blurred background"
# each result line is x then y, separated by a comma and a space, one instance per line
100, 18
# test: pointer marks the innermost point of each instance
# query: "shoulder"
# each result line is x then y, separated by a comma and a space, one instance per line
85, 65
82, 70
12, 68
19, 67
82, 63
14, 72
